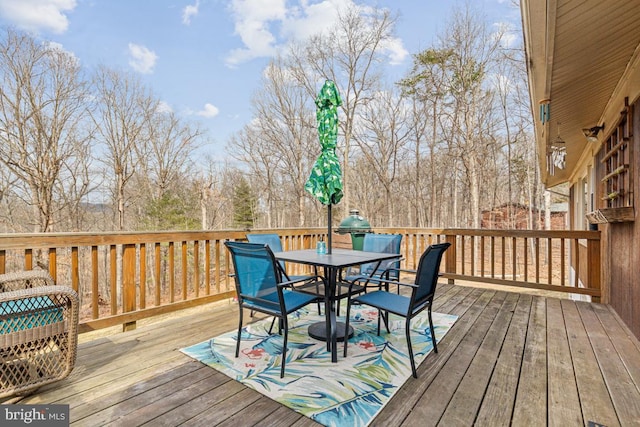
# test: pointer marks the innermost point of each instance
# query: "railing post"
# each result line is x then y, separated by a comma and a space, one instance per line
593, 269
128, 283
450, 257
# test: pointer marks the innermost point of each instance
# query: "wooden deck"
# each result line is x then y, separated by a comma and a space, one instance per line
511, 358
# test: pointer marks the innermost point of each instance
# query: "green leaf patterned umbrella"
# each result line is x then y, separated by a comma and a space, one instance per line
325, 181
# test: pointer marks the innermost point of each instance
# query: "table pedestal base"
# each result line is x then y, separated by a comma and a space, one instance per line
319, 331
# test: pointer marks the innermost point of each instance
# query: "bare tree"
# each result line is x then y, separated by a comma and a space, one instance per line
349, 53
279, 146
42, 116
210, 181
172, 144
123, 116
381, 135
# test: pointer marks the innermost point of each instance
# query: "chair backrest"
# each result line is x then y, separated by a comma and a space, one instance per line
428, 271
272, 240
382, 243
256, 272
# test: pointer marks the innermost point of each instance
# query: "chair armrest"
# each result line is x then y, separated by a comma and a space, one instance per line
401, 270
307, 279
25, 280
30, 302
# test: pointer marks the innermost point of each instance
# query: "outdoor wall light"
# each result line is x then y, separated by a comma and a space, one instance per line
592, 133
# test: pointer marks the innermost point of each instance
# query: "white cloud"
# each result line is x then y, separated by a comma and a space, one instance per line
209, 111
189, 11
266, 25
38, 15
311, 19
57, 47
252, 23
395, 50
508, 34
164, 107
141, 58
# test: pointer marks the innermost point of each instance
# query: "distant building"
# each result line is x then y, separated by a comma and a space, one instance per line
518, 216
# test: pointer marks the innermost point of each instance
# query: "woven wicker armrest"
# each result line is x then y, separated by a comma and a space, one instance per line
24, 280
38, 332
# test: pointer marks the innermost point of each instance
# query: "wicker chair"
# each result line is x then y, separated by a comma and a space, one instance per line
38, 331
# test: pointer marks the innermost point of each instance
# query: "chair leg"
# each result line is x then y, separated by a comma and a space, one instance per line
346, 327
385, 319
284, 345
273, 321
408, 333
433, 333
239, 332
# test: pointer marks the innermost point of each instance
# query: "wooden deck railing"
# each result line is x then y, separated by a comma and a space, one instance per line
125, 277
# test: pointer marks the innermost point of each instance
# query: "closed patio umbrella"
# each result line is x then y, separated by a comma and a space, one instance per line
325, 181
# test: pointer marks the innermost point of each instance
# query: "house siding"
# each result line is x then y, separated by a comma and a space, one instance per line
621, 263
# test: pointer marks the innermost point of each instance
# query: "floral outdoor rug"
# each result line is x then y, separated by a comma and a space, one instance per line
348, 393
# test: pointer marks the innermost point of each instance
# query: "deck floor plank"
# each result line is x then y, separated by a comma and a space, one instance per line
541, 356
221, 389
624, 391
594, 398
498, 402
220, 411
409, 394
530, 407
436, 398
154, 399
93, 406
254, 415
466, 401
564, 404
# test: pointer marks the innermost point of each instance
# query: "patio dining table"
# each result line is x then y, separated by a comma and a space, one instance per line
332, 264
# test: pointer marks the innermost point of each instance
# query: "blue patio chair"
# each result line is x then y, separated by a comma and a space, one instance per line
382, 243
361, 276
422, 293
260, 288
273, 241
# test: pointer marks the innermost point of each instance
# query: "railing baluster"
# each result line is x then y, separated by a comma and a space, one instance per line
481, 256
172, 271
504, 259
576, 278
526, 259
113, 278
53, 270
158, 270
493, 256
28, 259
196, 268
207, 266
95, 303
563, 257
143, 275
184, 270
75, 271
549, 261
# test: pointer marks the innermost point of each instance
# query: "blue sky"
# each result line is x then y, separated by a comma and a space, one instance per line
204, 58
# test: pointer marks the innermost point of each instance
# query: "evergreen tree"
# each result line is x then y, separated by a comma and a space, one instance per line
244, 203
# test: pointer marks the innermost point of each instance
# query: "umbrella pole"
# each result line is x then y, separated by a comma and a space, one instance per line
329, 231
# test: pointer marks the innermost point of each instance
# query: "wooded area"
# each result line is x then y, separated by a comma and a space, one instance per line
96, 150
